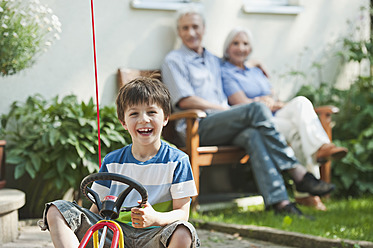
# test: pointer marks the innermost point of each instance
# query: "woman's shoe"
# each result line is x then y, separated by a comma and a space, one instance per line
330, 151
311, 201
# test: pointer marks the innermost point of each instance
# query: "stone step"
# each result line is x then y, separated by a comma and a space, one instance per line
10, 201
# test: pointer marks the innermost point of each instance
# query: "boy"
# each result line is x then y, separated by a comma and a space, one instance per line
143, 108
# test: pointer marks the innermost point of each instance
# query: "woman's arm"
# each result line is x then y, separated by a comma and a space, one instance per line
240, 98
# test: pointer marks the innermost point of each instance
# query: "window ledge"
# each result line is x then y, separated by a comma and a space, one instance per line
160, 5
285, 9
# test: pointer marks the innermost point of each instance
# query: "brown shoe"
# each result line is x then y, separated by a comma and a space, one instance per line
330, 151
311, 201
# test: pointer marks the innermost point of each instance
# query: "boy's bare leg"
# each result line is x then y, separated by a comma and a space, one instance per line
181, 237
61, 234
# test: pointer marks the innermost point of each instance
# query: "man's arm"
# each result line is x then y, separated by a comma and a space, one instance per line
256, 63
195, 102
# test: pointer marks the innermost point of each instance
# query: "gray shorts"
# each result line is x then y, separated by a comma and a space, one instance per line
81, 219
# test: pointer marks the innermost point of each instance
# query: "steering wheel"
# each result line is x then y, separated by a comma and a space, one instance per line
110, 207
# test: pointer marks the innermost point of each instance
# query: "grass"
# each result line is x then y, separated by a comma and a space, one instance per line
345, 219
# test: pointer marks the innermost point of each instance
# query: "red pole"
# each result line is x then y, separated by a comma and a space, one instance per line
96, 78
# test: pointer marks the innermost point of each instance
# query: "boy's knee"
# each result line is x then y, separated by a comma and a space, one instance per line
181, 236
53, 214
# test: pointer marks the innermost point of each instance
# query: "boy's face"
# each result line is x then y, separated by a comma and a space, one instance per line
144, 122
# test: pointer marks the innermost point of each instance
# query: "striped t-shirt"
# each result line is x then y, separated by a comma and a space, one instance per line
166, 176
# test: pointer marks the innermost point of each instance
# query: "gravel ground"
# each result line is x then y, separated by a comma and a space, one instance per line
32, 237
218, 239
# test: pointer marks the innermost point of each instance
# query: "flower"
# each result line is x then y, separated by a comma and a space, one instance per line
27, 29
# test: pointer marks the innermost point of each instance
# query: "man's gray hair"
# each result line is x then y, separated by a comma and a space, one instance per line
191, 9
232, 34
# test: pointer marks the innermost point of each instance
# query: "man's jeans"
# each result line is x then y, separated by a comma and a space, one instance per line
250, 126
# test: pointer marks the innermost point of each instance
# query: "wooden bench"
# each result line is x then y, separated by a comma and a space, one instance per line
212, 155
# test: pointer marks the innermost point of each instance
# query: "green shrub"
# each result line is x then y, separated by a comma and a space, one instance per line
354, 122
28, 28
55, 143
353, 129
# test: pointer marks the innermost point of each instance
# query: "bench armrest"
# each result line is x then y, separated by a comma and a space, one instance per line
188, 114
191, 117
327, 109
325, 116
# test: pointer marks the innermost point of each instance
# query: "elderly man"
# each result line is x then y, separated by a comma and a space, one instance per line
193, 77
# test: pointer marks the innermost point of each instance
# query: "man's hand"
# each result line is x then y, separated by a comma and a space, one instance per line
271, 103
267, 100
144, 217
256, 63
278, 105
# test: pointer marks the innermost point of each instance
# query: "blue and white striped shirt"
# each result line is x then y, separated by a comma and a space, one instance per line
166, 176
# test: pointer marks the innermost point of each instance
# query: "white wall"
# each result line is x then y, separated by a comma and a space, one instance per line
141, 38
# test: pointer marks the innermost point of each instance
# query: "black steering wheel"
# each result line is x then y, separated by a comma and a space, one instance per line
110, 207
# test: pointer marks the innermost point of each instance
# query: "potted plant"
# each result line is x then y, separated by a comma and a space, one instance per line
53, 144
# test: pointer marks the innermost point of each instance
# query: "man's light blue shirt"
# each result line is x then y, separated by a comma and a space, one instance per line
186, 73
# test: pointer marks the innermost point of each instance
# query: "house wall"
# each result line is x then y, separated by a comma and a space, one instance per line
140, 39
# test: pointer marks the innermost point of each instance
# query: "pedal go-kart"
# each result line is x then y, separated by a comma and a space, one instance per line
109, 208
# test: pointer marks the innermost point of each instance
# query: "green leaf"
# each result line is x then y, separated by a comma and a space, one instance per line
14, 159
79, 150
36, 161
73, 165
30, 169
105, 140
59, 183
90, 147
54, 135
19, 171
61, 164
50, 174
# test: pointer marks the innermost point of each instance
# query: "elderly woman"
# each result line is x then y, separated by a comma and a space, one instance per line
296, 119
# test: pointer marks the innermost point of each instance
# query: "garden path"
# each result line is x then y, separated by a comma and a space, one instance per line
32, 237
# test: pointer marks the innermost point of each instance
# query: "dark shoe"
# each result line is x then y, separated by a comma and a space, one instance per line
290, 209
330, 151
313, 186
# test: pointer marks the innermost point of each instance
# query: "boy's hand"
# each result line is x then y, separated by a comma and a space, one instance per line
144, 217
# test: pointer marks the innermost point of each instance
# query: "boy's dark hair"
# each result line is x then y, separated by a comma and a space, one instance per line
143, 90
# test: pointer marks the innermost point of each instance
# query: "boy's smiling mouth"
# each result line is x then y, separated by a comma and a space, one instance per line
145, 131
